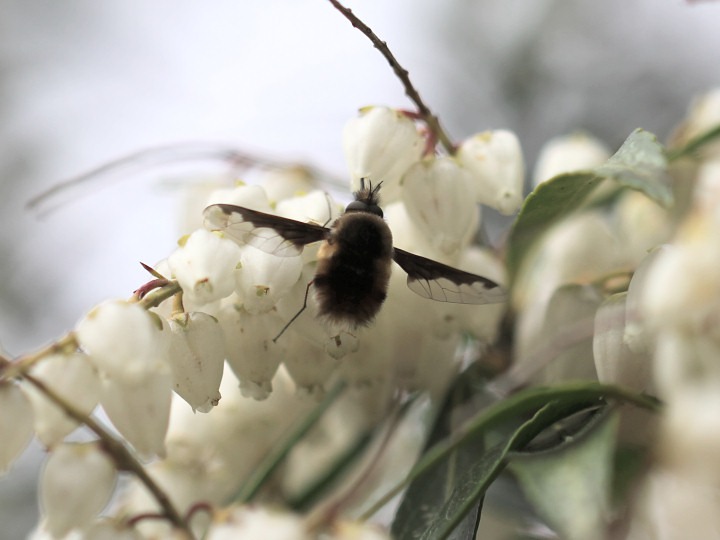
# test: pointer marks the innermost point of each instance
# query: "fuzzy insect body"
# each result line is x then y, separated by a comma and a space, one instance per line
354, 260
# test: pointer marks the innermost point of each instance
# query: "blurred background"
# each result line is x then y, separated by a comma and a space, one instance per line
84, 82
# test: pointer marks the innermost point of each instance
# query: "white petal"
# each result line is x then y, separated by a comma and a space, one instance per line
197, 356
206, 266
569, 153
76, 484
140, 411
496, 162
380, 145
104, 334
286, 183
253, 197
252, 355
16, 423
614, 361
72, 377
258, 522
265, 278
436, 193
315, 207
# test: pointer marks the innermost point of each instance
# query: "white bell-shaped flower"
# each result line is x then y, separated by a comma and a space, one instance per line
76, 484
252, 355
359, 530
315, 207
615, 362
568, 153
197, 357
124, 340
105, 529
16, 423
249, 196
265, 278
380, 145
495, 160
704, 115
309, 366
75, 379
205, 266
438, 196
257, 522
281, 184
140, 410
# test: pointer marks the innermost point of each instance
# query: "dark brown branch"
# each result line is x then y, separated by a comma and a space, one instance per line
123, 458
424, 111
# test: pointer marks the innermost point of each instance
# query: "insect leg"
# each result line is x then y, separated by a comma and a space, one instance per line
329, 208
307, 291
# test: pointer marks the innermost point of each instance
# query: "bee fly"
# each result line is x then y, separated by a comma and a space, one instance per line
354, 260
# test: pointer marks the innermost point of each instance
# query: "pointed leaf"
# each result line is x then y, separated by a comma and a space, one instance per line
639, 164
428, 490
458, 470
570, 486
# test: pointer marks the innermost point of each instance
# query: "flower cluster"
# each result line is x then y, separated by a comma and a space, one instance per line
625, 290
216, 402
153, 363
676, 311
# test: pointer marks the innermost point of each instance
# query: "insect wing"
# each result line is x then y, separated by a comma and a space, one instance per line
437, 281
277, 235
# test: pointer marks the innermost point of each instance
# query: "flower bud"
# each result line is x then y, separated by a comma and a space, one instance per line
682, 285
73, 378
243, 195
495, 160
703, 116
205, 266
140, 411
257, 522
435, 193
197, 357
16, 423
76, 484
315, 207
358, 530
123, 340
265, 278
569, 153
615, 363
308, 365
288, 182
252, 355
380, 145
108, 530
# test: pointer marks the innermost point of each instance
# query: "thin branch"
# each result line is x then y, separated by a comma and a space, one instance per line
277, 455
124, 459
9, 369
172, 154
432, 121
328, 511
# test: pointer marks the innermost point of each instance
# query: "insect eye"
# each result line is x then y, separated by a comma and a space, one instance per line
357, 206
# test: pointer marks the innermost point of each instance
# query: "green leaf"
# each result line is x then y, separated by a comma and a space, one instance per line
639, 164
570, 486
476, 479
465, 397
458, 470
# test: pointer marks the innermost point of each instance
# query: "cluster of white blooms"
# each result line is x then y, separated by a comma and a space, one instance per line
657, 333
559, 306
677, 309
152, 369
